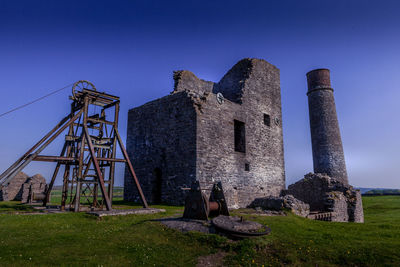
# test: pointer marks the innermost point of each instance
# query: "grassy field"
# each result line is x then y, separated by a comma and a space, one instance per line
55, 196
139, 240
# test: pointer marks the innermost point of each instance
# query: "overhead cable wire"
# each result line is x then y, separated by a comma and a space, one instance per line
36, 100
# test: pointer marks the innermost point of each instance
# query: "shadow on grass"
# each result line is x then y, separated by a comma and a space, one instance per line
15, 206
139, 205
126, 203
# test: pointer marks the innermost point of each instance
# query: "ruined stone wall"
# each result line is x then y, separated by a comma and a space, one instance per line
356, 213
18, 188
259, 171
13, 189
336, 202
328, 194
36, 183
161, 145
312, 190
185, 80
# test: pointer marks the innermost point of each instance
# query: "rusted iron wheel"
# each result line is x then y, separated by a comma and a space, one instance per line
80, 85
238, 228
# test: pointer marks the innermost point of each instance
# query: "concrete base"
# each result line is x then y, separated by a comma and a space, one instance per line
187, 225
125, 212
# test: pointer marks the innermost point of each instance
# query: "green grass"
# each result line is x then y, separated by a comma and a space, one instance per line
297, 241
383, 192
138, 240
55, 196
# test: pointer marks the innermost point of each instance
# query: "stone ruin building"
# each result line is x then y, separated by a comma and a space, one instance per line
230, 131
21, 186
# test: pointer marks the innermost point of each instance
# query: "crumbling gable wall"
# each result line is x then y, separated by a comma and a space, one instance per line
252, 89
232, 85
186, 81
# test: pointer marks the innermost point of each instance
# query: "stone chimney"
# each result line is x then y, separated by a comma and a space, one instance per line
327, 148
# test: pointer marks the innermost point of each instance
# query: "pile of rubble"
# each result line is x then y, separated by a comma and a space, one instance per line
318, 196
326, 194
287, 202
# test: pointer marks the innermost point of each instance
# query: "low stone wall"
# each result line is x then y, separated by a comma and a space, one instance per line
298, 207
336, 203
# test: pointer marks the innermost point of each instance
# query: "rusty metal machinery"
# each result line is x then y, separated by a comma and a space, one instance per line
89, 152
197, 206
35, 197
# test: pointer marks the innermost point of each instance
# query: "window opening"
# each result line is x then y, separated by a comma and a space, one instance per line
267, 120
240, 136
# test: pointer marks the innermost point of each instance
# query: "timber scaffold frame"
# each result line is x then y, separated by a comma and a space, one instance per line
88, 154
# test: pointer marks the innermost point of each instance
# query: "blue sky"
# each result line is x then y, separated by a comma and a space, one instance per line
130, 48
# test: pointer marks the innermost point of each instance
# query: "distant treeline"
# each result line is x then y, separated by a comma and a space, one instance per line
376, 192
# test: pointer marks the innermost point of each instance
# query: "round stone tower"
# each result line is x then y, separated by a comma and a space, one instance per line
327, 148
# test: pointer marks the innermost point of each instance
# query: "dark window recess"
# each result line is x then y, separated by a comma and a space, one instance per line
267, 120
157, 186
247, 167
240, 136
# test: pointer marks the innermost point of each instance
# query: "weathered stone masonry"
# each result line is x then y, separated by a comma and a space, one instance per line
328, 155
327, 194
190, 135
